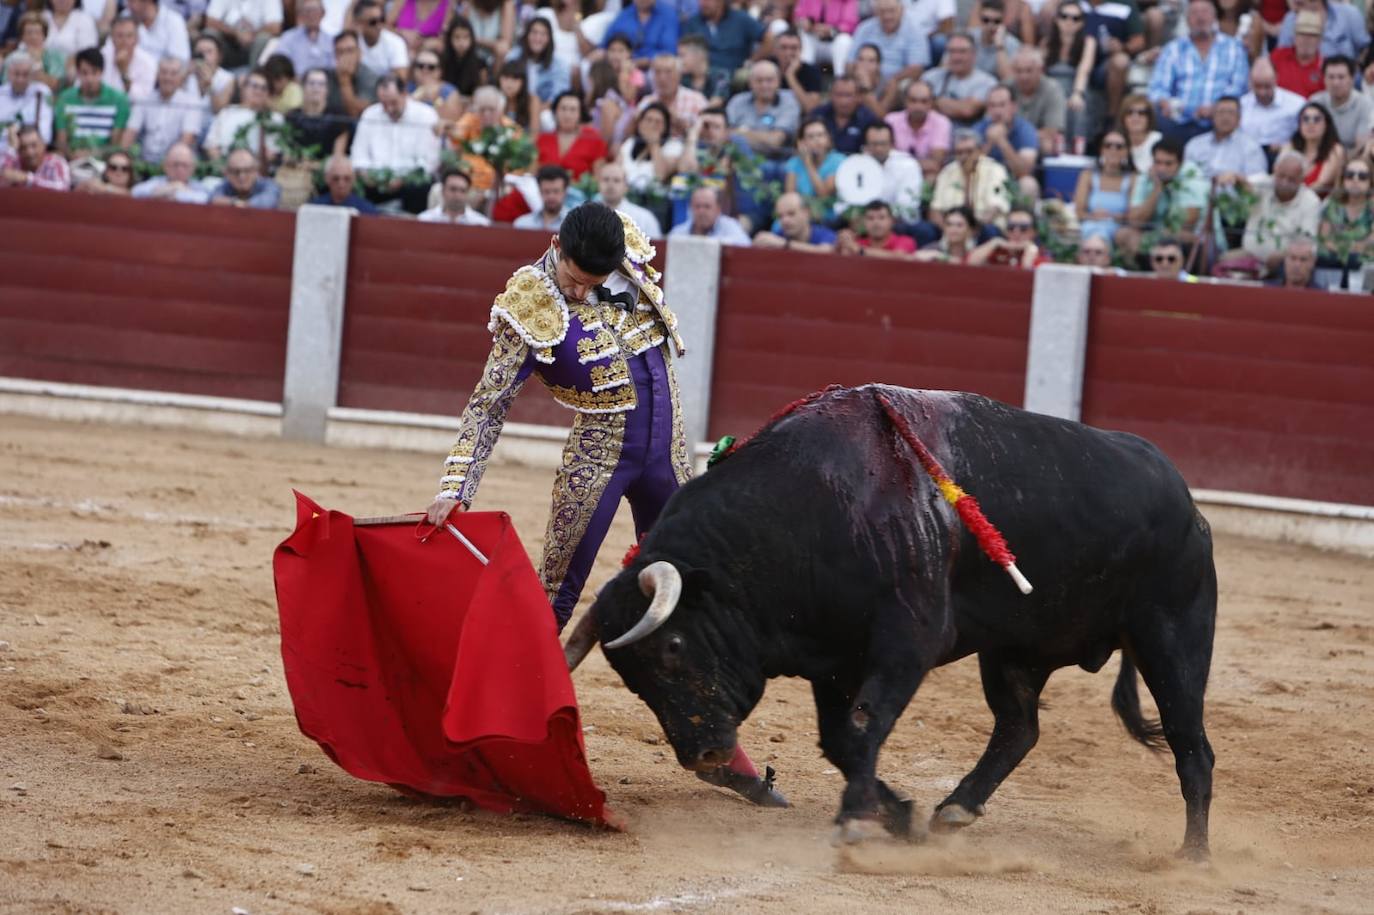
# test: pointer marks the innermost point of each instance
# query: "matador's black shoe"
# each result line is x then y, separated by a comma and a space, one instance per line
756, 790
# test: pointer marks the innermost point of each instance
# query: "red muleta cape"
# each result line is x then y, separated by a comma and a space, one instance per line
411, 663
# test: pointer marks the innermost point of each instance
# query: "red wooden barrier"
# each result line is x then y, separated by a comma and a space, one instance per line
790, 323
140, 294
1248, 389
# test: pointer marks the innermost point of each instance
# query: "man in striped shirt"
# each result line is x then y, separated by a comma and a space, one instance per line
90, 114
1194, 71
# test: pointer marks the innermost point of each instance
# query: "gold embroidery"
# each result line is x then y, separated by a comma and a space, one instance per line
532, 306
589, 460
613, 400
609, 376
600, 345
638, 251
485, 414
682, 459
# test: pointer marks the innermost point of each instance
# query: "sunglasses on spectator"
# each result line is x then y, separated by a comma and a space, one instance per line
1164, 258
1313, 118
1019, 226
121, 167
1356, 174
1069, 17
426, 65
992, 20
377, 21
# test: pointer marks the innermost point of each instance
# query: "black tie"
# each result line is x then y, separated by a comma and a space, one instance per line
625, 300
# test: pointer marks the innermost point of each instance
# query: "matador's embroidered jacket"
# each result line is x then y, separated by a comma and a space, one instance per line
578, 351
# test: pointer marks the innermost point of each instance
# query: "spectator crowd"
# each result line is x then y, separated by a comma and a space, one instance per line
1170, 137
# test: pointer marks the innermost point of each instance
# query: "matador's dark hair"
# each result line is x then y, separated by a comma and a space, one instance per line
594, 238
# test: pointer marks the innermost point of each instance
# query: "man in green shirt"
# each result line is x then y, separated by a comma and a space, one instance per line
90, 114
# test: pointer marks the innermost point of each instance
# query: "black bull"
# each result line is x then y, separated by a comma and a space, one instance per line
821, 550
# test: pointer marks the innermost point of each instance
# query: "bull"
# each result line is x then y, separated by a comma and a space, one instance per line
821, 550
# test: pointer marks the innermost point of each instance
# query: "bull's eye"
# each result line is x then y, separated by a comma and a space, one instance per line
672, 652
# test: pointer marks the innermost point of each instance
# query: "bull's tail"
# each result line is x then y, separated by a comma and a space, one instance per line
1126, 704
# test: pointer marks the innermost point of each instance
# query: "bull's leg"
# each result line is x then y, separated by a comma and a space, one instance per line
853, 725
1176, 675
1013, 693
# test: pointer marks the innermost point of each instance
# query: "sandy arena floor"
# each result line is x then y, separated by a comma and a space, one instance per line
149, 760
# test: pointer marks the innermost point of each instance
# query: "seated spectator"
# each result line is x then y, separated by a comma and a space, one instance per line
706, 219
684, 105
30, 164
697, 72
1352, 111
352, 84
116, 176
162, 30
177, 181
170, 115
1019, 18
711, 151
1166, 260
651, 26
396, 141
827, 30
417, 20
308, 45
971, 180
565, 16
1299, 67
454, 208
1119, 35
243, 186
241, 124
1224, 154
1299, 265
1343, 33
611, 187
994, 44
611, 112
1010, 139
1103, 194
24, 100
1018, 248
521, 105
50, 66
903, 47
213, 84
866, 69
463, 65
428, 86
794, 228
244, 27
1284, 210
844, 116
340, 182
1194, 71
802, 79
312, 125
283, 92
629, 78
546, 74
1094, 251
650, 156
574, 143
730, 34
1137, 122
957, 242
90, 113
128, 68
1269, 112
1317, 142
383, 51
1347, 220
1041, 102
765, 117
487, 107
70, 28
961, 89
1241, 21
493, 25
920, 131
1170, 196
1071, 58
553, 194
902, 179
811, 172
878, 239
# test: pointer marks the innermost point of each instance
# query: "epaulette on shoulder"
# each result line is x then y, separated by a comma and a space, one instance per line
532, 305
638, 250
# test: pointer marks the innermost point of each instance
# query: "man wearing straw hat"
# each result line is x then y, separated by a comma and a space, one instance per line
588, 318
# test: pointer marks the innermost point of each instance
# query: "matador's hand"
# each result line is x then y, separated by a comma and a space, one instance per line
440, 509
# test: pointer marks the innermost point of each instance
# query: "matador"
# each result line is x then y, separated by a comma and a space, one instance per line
588, 318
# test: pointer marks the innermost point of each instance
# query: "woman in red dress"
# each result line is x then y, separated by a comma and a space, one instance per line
573, 143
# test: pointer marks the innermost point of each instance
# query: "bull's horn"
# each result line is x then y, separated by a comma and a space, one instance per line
581, 641
661, 581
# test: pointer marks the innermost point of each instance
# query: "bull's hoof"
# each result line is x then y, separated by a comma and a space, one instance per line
856, 832
759, 791
900, 820
952, 817
1194, 854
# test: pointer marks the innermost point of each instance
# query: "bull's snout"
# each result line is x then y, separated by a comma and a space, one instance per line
712, 758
